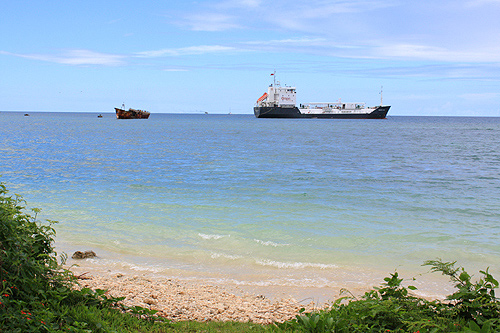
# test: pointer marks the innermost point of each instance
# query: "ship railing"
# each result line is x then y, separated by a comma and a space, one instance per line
332, 106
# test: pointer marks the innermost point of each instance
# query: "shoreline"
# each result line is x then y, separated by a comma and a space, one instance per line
304, 285
180, 297
182, 300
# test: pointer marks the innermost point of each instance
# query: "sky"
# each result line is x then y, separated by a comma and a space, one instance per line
428, 57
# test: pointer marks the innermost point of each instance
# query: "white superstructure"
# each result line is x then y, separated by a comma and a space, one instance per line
278, 96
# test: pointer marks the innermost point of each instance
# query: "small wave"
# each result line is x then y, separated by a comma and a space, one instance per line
215, 255
295, 265
119, 265
144, 268
205, 236
269, 243
283, 282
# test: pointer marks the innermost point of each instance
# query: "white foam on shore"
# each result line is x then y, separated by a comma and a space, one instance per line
269, 243
215, 236
296, 265
215, 255
298, 279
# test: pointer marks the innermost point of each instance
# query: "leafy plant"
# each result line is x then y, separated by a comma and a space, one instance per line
391, 308
474, 301
36, 294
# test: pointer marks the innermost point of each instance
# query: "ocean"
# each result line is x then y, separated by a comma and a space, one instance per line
263, 203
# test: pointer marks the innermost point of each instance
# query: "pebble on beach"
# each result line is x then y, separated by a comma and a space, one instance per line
180, 300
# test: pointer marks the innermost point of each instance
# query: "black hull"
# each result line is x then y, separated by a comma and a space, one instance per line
280, 112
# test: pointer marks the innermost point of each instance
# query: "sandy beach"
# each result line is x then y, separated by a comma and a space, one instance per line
180, 296
179, 300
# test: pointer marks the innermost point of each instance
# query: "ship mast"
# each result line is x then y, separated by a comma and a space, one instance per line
381, 95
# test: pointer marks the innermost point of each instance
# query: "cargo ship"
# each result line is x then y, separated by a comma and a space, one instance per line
280, 102
131, 113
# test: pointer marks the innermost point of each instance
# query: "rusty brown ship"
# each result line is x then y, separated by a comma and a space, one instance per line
131, 113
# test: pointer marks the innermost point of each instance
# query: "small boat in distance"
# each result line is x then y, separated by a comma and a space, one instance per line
280, 102
131, 113
99, 116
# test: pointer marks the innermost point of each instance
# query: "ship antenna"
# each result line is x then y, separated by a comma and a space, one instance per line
274, 77
381, 95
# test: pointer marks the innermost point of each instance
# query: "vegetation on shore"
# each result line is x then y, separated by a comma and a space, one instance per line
37, 295
391, 308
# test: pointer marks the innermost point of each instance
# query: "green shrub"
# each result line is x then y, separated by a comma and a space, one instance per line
31, 281
391, 308
36, 295
472, 301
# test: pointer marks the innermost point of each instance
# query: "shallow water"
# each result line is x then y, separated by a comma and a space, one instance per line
277, 202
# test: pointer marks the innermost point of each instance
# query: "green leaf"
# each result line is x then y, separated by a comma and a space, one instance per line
464, 276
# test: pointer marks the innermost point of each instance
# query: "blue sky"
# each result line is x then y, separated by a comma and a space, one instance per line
431, 57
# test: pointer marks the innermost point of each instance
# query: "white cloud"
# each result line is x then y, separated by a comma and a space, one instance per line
191, 50
304, 40
77, 57
240, 4
306, 45
210, 22
324, 17
221, 16
318, 9
434, 53
86, 57
249, 3
476, 3
480, 96
294, 15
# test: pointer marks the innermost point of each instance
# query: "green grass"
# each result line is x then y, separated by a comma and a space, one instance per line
37, 295
98, 319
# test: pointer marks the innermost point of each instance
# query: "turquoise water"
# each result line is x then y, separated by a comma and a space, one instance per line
262, 201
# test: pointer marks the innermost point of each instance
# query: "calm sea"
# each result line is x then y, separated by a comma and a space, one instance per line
262, 202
